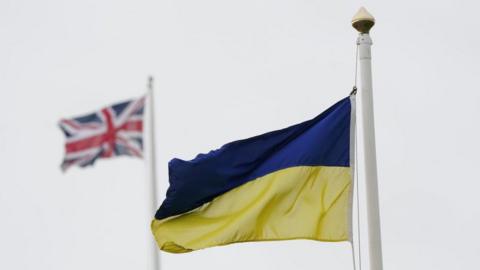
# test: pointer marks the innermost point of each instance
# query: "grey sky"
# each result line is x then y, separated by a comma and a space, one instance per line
227, 70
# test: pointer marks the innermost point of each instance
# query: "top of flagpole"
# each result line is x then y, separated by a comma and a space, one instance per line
363, 21
150, 82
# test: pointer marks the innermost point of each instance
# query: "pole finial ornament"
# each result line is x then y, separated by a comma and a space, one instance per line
363, 21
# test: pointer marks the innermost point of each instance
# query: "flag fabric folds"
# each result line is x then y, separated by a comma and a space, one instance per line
293, 183
112, 131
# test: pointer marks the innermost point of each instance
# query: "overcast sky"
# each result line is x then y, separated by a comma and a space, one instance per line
227, 70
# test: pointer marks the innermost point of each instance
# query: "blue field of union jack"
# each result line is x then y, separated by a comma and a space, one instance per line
112, 131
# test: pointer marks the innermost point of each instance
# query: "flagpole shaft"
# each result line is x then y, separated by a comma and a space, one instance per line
364, 43
152, 167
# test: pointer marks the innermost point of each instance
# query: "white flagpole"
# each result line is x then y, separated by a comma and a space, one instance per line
152, 166
363, 22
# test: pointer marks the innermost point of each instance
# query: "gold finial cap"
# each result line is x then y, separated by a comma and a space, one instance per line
363, 21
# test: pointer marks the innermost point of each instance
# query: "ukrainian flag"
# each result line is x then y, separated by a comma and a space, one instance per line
293, 183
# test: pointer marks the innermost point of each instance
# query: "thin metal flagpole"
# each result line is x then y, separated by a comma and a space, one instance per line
363, 22
152, 171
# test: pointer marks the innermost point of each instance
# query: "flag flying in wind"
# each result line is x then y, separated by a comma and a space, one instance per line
293, 183
113, 131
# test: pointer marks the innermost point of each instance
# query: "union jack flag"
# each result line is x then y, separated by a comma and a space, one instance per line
113, 131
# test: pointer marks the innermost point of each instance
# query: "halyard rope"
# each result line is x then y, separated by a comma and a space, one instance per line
356, 184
